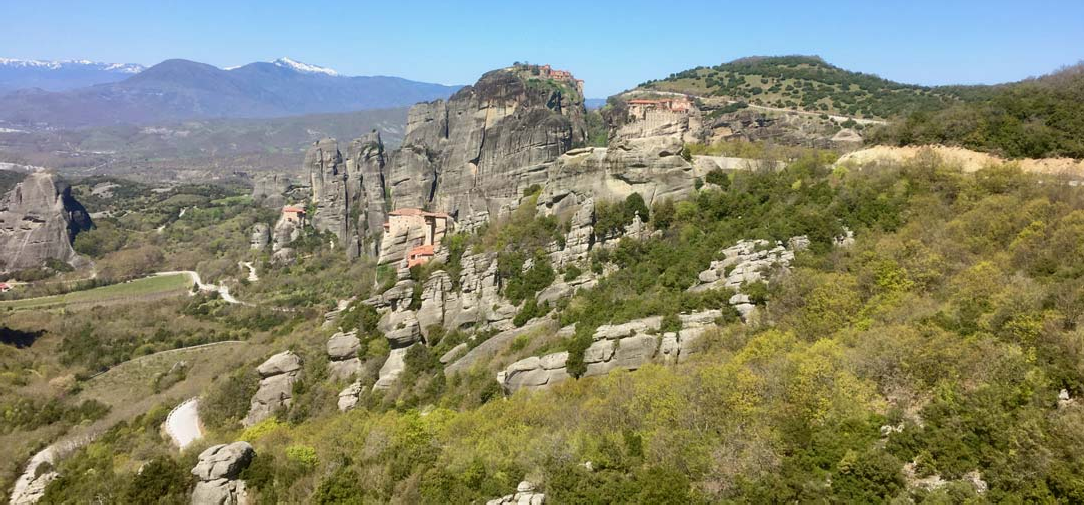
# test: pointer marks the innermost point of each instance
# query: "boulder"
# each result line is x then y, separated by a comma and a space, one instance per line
343, 346
223, 461
348, 398
279, 373
281, 363
392, 369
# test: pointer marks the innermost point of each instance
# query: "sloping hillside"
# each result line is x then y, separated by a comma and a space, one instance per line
805, 83
1035, 118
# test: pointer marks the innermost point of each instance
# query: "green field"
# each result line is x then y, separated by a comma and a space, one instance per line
138, 288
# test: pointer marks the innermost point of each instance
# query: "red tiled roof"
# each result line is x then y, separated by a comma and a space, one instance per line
292, 209
426, 250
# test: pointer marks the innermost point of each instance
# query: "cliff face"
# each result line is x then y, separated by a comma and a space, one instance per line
348, 192
473, 155
39, 218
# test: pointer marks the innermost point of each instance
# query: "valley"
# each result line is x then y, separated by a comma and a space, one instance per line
768, 280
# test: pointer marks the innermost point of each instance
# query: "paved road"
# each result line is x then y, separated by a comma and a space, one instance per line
182, 424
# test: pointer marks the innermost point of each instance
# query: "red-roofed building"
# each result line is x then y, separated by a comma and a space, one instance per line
420, 255
639, 108
5, 287
423, 231
293, 214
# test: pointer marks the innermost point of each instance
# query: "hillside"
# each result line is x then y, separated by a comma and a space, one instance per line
1035, 118
805, 83
181, 89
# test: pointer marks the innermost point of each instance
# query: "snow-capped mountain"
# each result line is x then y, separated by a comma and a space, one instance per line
124, 68
304, 67
61, 75
181, 89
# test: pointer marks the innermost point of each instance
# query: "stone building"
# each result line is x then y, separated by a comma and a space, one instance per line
293, 214
413, 235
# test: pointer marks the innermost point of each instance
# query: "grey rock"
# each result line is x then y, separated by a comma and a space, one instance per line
343, 345
453, 353
261, 236
223, 461
348, 398
39, 219
220, 492
392, 369
279, 373
281, 363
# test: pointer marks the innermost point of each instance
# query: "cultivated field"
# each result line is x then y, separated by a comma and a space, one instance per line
139, 289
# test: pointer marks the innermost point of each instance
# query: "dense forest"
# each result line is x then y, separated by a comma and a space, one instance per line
1035, 118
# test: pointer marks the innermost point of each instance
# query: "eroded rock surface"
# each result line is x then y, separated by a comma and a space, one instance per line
746, 262
342, 352
217, 473
628, 346
277, 377
39, 219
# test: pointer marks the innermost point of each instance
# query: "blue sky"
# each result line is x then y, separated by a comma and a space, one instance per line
611, 45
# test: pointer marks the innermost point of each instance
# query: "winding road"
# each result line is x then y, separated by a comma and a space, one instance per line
222, 290
182, 424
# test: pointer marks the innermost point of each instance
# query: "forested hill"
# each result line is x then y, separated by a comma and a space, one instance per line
1035, 118
806, 83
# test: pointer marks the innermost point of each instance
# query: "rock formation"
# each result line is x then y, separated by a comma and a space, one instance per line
348, 397
525, 495
217, 472
277, 377
473, 155
269, 190
747, 261
342, 352
261, 236
626, 346
348, 192
39, 219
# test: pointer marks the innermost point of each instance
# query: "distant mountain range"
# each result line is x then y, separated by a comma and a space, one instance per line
61, 75
180, 89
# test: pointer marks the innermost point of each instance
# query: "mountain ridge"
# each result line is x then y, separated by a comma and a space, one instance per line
178, 89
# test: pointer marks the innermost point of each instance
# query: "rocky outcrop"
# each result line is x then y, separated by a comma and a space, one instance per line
217, 473
277, 377
392, 369
284, 233
328, 177
349, 192
269, 190
526, 494
746, 262
366, 187
342, 352
39, 219
473, 155
348, 397
626, 346
261, 236
652, 167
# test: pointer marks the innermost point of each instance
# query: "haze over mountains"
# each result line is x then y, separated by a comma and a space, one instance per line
55, 94
61, 75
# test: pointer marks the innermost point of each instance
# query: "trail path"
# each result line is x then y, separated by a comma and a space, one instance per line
222, 290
